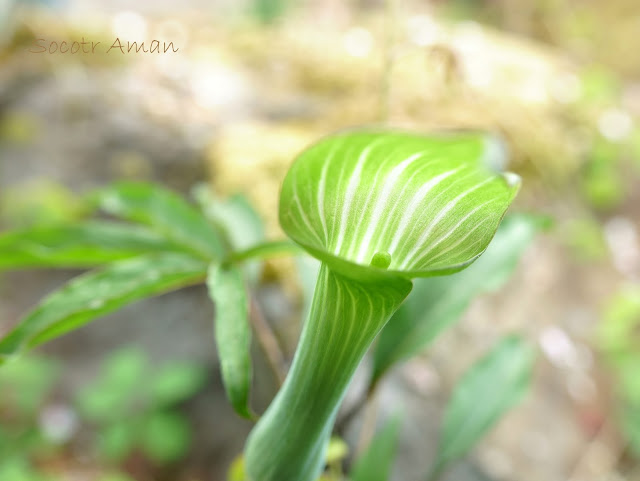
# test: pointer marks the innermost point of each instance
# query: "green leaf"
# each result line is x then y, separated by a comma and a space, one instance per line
97, 293
233, 334
164, 211
166, 437
426, 205
376, 462
487, 391
78, 245
177, 382
436, 303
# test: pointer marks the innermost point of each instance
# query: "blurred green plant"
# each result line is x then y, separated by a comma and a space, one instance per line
376, 462
619, 339
376, 208
131, 415
39, 203
18, 128
599, 85
20, 469
602, 180
473, 409
268, 11
115, 477
585, 237
437, 302
476, 404
25, 386
125, 414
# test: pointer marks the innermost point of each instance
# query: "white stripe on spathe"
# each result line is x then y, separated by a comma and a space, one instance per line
425, 235
321, 191
400, 201
381, 200
409, 235
432, 246
365, 219
354, 179
416, 201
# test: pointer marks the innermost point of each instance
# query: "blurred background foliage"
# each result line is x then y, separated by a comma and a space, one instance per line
113, 418
253, 82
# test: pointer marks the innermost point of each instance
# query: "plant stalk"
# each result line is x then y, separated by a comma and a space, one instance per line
289, 441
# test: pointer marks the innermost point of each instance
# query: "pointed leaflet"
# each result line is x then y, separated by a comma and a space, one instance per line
233, 215
236, 218
164, 211
97, 293
423, 204
487, 391
437, 302
78, 245
376, 462
233, 334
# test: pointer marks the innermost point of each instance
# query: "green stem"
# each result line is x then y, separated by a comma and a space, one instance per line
266, 250
289, 441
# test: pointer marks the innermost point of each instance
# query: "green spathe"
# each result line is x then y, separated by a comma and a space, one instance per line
432, 204
377, 208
